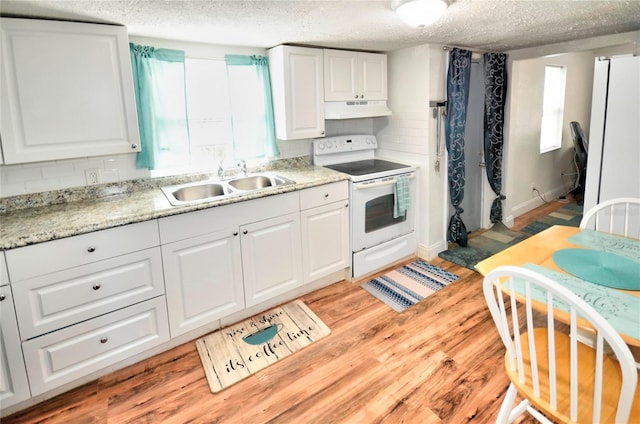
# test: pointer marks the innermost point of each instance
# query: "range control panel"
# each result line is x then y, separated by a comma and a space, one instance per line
344, 143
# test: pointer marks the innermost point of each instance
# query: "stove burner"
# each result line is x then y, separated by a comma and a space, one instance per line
365, 167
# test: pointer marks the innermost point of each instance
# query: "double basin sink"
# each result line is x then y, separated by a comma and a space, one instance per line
205, 191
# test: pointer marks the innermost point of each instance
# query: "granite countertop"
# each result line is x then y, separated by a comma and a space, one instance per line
113, 208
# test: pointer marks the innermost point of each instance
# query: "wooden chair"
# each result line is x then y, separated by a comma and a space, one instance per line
560, 379
615, 216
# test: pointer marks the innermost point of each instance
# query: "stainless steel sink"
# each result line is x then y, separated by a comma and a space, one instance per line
206, 191
195, 192
256, 182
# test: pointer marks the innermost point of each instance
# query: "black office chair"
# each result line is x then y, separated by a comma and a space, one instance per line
581, 151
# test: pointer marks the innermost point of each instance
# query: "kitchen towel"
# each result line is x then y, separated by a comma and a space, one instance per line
401, 198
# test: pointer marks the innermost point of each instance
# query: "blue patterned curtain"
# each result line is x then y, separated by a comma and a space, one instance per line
495, 83
457, 101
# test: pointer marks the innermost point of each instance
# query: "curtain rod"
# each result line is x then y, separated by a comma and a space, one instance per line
477, 54
456, 47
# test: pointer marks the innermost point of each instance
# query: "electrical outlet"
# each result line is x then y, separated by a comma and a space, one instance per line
92, 176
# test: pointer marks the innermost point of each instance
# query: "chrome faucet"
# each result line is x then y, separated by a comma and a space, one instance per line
220, 171
243, 167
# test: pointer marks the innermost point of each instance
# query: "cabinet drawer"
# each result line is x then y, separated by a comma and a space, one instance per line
323, 195
56, 255
47, 303
65, 355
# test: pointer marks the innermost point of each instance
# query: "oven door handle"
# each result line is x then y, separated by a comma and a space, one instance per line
364, 186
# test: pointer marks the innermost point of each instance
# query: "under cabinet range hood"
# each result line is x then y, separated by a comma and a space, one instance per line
356, 109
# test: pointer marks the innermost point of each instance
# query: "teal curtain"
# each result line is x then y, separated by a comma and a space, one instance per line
158, 79
261, 66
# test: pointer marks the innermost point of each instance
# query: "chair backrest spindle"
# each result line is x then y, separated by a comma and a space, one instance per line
615, 216
559, 377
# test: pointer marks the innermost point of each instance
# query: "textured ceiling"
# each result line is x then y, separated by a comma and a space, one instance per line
491, 25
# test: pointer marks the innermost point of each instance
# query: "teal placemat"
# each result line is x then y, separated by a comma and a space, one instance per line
600, 267
621, 309
629, 248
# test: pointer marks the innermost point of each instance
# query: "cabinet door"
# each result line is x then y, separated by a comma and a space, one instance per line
354, 75
271, 258
372, 69
325, 240
67, 91
203, 279
340, 75
298, 91
14, 387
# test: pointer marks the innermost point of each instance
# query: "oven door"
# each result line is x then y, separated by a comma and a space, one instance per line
372, 204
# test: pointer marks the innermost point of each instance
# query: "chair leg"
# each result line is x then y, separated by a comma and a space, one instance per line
507, 404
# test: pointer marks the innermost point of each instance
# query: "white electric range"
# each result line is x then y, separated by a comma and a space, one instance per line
377, 238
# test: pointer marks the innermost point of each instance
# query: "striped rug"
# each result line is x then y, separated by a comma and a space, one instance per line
407, 285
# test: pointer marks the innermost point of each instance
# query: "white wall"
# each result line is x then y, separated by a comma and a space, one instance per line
525, 165
415, 76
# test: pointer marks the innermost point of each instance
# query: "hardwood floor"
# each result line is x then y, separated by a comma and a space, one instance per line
440, 361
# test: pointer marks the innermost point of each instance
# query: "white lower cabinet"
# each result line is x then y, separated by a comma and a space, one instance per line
86, 302
93, 300
325, 230
204, 279
14, 387
271, 257
62, 356
325, 236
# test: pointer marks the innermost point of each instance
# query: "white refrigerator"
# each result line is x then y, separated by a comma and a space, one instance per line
613, 162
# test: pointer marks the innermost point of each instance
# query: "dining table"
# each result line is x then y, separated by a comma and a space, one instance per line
601, 268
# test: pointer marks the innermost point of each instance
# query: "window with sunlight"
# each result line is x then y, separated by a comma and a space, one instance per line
225, 117
552, 107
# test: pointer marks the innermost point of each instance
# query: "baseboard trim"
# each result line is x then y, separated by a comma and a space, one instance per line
531, 204
430, 252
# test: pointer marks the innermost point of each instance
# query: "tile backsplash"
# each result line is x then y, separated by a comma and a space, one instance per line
62, 174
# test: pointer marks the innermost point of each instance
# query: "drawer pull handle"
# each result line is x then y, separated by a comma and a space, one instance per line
104, 340
91, 249
2, 297
326, 195
245, 232
96, 286
235, 233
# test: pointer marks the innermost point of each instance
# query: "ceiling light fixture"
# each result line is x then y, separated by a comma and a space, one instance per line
421, 13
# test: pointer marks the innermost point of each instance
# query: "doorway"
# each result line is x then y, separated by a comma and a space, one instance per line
474, 152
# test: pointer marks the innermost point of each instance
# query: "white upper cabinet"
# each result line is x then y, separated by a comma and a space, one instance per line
354, 76
67, 91
297, 89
